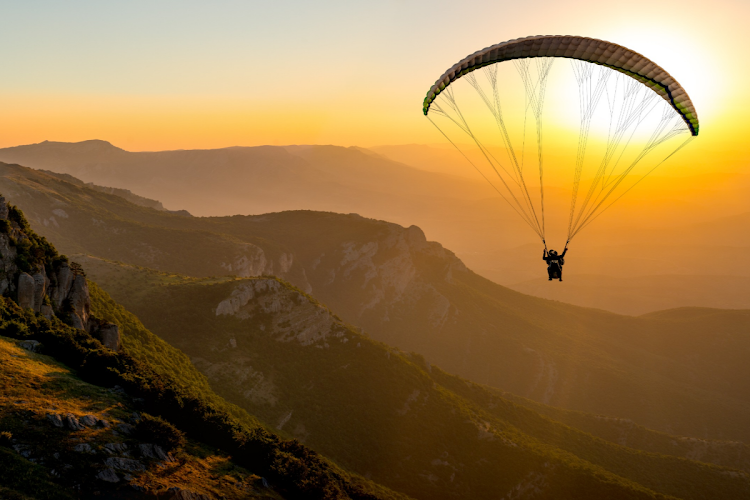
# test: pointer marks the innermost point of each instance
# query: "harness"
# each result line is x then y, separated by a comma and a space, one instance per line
557, 261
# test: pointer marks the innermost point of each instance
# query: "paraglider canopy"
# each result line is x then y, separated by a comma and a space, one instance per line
591, 50
645, 108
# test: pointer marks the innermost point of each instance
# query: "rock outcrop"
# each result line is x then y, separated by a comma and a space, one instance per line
32, 290
26, 291
79, 302
107, 333
62, 283
30, 345
253, 261
391, 272
294, 316
110, 336
50, 288
7, 261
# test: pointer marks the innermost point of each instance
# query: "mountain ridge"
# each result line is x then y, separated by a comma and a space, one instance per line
390, 260
372, 273
643, 236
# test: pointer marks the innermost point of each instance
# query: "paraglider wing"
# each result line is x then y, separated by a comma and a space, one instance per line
586, 49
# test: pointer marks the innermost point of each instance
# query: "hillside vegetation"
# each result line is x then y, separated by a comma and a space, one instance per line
172, 398
275, 351
37, 456
684, 376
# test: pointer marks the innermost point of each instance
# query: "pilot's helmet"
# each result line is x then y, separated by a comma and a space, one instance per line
553, 252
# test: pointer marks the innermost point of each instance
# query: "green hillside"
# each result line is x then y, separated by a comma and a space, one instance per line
172, 401
40, 460
133, 285
385, 413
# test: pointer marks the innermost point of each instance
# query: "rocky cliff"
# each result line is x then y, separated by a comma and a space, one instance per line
34, 275
386, 274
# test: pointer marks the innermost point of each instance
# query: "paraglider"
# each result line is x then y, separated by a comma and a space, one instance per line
644, 110
554, 263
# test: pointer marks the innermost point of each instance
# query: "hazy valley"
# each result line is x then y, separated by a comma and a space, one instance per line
352, 353
684, 244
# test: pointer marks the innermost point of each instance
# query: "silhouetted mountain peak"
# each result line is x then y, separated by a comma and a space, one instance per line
90, 145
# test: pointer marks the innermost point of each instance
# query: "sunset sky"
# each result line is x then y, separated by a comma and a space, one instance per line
187, 74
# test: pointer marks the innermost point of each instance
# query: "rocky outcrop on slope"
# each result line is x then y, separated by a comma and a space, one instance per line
294, 316
279, 313
251, 260
392, 271
46, 283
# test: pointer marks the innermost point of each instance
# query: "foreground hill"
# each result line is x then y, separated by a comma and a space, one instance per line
49, 305
682, 376
63, 432
282, 356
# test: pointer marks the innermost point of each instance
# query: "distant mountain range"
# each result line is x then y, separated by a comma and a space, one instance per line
249, 180
666, 229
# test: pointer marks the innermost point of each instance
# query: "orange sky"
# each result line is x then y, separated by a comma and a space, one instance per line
188, 75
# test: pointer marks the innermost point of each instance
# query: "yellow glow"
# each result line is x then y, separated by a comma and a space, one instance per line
366, 103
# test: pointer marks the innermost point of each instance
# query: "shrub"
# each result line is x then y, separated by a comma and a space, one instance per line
158, 431
5, 438
14, 328
34, 251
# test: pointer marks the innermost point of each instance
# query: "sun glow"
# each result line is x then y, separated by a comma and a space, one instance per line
697, 66
172, 88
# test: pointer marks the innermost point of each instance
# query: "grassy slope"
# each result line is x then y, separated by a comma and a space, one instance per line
293, 469
363, 390
640, 368
146, 347
166, 360
34, 385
